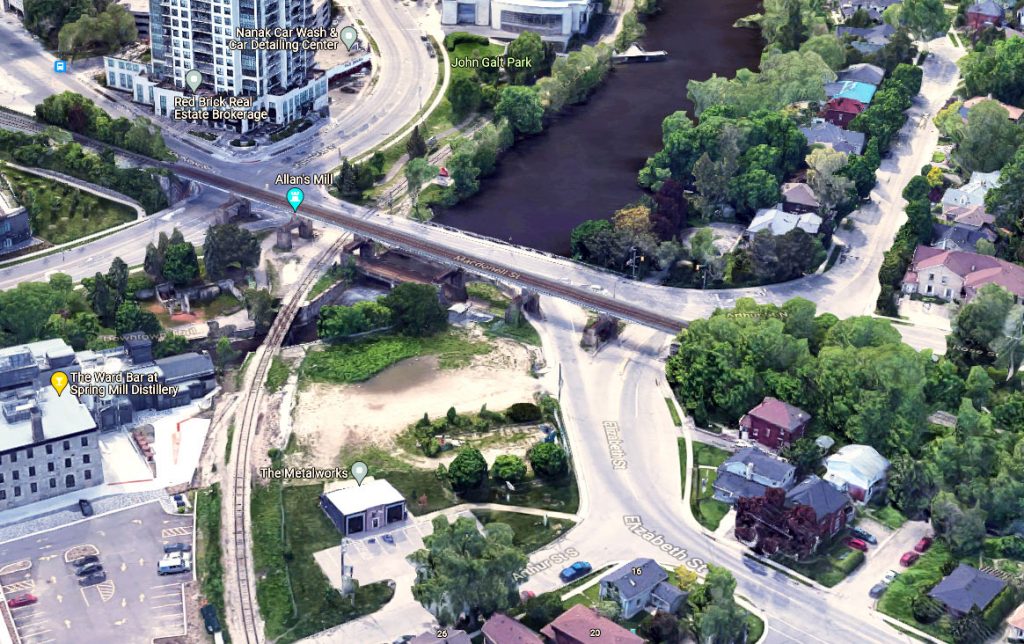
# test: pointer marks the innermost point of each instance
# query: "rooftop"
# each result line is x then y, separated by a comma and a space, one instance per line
859, 463
987, 8
779, 413
976, 270
973, 192
8, 202
780, 222
967, 587
823, 497
799, 193
577, 622
60, 416
352, 498
974, 216
861, 92
629, 584
835, 137
503, 629
763, 464
863, 73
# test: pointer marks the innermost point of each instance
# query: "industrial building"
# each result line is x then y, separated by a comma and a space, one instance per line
354, 508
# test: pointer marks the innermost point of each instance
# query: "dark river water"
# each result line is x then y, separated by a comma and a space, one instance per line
584, 165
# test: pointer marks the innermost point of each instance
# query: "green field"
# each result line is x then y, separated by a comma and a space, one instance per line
359, 361
60, 213
210, 570
707, 510
277, 374
530, 532
830, 565
295, 598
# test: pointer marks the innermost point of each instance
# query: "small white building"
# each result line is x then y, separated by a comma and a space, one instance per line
858, 470
547, 18
780, 222
354, 508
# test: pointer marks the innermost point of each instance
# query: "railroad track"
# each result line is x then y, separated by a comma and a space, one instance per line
247, 608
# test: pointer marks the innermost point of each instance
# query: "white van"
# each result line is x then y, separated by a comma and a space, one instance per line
174, 563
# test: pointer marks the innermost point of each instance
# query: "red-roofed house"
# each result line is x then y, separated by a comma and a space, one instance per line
502, 629
983, 14
958, 275
774, 423
840, 111
579, 624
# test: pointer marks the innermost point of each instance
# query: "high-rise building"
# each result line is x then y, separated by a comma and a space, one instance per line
242, 48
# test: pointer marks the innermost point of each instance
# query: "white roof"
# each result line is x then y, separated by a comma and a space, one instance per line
860, 465
360, 498
780, 222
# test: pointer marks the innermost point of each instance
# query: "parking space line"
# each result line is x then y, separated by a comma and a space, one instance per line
166, 585
179, 531
84, 598
167, 595
19, 586
164, 605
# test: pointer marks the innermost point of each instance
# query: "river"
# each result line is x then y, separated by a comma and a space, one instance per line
584, 165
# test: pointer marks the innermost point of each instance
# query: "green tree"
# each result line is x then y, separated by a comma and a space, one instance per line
962, 529
180, 264
225, 353
825, 178
102, 298
418, 172
721, 619
997, 70
117, 277
924, 18
461, 570
335, 322
415, 146
949, 122
171, 345
989, 138
464, 95
912, 484
508, 468
416, 309
803, 454
130, 319
78, 329
262, 308
1006, 201
468, 470
228, 244
782, 24
521, 107
978, 386
526, 47
753, 190
979, 325
548, 460
464, 173
829, 48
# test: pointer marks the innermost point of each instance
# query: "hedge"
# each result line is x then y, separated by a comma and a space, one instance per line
850, 562
456, 38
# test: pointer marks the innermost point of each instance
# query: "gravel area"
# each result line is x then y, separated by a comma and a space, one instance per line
70, 514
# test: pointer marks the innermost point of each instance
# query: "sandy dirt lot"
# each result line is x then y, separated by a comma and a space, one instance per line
331, 417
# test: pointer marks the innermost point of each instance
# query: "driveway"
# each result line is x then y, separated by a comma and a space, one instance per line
880, 559
133, 605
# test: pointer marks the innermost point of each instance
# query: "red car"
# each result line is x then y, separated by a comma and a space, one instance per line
909, 558
857, 544
923, 544
21, 600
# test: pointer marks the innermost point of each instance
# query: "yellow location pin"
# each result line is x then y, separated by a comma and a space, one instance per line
59, 380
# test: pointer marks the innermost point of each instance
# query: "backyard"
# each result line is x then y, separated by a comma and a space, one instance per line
60, 213
707, 510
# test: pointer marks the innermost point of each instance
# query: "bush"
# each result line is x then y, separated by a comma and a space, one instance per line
1011, 547
508, 467
548, 460
523, 413
850, 563
468, 470
454, 39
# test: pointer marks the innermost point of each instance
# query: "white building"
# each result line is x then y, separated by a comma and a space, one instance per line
287, 82
780, 222
858, 470
557, 19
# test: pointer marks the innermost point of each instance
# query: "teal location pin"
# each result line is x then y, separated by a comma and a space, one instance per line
349, 36
358, 471
295, 197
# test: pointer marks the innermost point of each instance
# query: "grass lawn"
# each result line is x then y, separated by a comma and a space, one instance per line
223, 304
210, 571
295, 598
913, 581
487, 292
888, 516
530, 532
359, 361
277, 374
327, 280
938, 157
676, 420
830, 565
60, 213
707, 510
523, 332
227, 447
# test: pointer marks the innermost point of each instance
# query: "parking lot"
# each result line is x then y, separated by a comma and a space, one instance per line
133, 603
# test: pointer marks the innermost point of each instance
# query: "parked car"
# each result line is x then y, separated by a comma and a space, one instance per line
575, 571
909, 558
856, 544
861, 533
174, 563
85, 507
890, 576
209, 613
84, 559
177, 547
88, 569
24, 599
877, 590
93, 579
923, 544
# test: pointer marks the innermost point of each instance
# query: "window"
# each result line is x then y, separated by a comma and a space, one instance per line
88, 475
14, 457
31, 470
49, 449
85, 441
1, 477
53, 483
931, 277
28, 453
69, 480
49, 466
16, 474
85, 458
3, 494
17, 490
67, 462
67, 445
33, 488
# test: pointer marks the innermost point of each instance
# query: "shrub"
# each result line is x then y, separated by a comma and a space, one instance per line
523, 413
548, 460
1011, 547
508, 467
468, 470
850, 563
454, 39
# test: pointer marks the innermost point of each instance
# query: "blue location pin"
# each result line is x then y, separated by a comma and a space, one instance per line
295, 197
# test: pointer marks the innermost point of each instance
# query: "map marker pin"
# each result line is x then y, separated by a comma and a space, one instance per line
59, 380
358, 471
193, 79
349, 36
295, 197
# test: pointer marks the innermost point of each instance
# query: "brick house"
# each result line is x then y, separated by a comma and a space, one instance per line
954, 275
774, 423
832, 507
840, 111
983, 14
793, 523
581, 625
798, 198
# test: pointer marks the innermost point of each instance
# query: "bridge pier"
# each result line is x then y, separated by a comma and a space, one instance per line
453, 285
525, 302
600, 330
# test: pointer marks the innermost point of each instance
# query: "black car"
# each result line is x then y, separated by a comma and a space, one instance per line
93, 579
88, 569
177, 547
877, 590
209, 613
85, 559
85, 507
861, 533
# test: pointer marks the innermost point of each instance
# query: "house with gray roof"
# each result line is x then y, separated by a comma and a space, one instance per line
749, 472
502, 629
834, 137
832, 508
867, 40
639, 584
960, 237
973, 192
966, 588
863, 73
